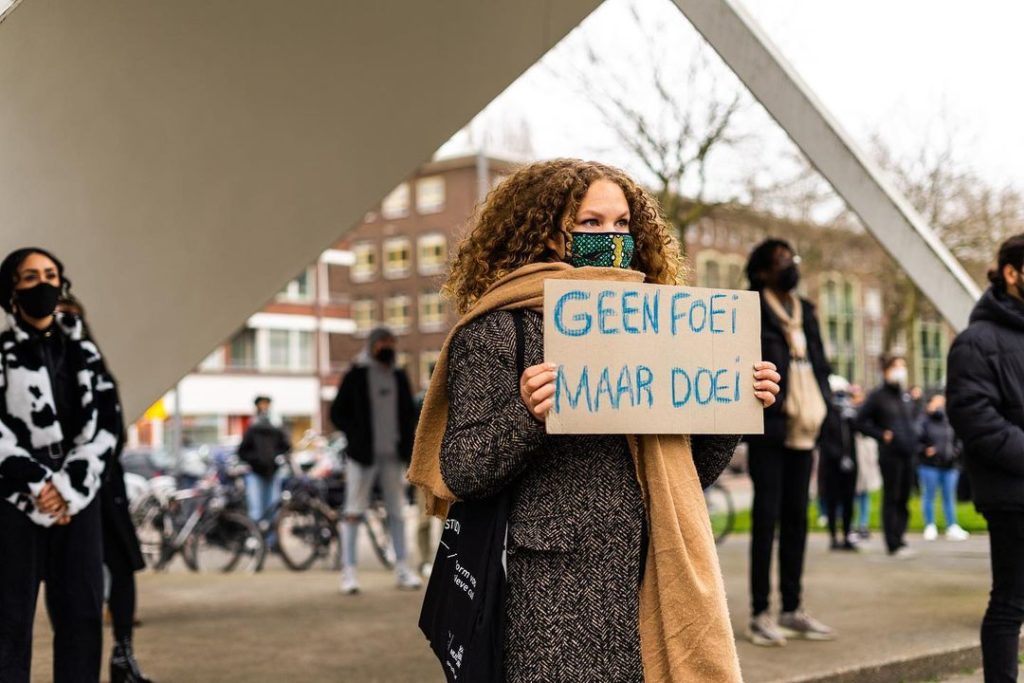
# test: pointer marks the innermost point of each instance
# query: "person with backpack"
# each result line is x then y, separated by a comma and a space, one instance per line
939, 470
985, 398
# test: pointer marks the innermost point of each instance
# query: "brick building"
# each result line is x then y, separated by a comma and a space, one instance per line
388, 270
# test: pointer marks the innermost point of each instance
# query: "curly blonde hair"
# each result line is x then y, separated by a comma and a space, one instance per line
538, 204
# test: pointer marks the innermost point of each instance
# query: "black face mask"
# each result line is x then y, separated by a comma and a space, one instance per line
385, 356
789, 278
37, 302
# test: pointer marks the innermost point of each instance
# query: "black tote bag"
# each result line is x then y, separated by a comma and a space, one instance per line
463, 613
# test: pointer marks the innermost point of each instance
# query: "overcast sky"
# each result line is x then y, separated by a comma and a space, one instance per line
912, 71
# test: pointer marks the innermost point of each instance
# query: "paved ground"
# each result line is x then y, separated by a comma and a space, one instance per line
282, 626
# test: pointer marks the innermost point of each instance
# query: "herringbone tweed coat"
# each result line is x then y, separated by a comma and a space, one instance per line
576, 522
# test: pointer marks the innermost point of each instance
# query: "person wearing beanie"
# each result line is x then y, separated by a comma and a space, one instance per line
374, 408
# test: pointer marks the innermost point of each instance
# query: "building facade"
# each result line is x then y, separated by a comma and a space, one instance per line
388, 270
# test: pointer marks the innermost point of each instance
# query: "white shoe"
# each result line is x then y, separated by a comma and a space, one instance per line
956, 533
349, 581
931, 532
904, 553
407, 579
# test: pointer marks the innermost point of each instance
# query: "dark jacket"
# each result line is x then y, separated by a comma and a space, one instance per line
985, 400
350, 413
937, 433
119, 537
775, 348
838, 435
261, 445
889, 408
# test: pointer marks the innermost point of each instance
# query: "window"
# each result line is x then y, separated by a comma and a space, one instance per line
242, 350
364, 313
719, 271
428, 361
398, 312
432, 313
710, 275
433, 254
303, 350
402, 360
213, 362
299, 289
279, 344
397, 257
396, 204
365, 266
840, 319
931, 359
430, 195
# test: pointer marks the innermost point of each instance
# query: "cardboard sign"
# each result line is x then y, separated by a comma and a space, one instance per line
652, 359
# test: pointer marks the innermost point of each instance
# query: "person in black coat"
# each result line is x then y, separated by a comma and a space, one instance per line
838, 463
375, 410
780, 461
985, 401
888, 417
122, 555
262, 448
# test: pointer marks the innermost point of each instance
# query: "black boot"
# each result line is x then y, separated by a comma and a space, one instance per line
123, 667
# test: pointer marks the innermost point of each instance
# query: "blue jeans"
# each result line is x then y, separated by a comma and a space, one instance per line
862, 505
261, 494
933, 478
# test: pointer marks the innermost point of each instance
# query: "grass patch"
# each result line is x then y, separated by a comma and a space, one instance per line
969, 518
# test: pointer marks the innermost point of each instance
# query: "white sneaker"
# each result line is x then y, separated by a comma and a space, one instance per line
904, 553
407, 579
931, 532
349, 581
956, 533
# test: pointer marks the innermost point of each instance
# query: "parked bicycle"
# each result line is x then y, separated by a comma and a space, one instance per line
721, 511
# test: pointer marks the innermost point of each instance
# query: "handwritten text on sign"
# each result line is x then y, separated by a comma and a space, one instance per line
652, 359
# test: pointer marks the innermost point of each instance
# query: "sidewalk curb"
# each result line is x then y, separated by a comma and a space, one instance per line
919, 668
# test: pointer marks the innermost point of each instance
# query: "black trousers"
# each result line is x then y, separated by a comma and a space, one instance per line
1000, 630
897, 478
839, 489
70, 560
122, 591
781, 478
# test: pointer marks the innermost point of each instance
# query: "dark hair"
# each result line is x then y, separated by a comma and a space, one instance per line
9, 274
889, 360
261, 399
1011, 253
762, 259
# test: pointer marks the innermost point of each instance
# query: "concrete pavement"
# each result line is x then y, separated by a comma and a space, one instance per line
910, 620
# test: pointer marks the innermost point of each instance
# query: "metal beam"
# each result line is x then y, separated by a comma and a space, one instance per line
886, 213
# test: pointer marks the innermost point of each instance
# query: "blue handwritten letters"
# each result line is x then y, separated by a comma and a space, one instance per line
639, 358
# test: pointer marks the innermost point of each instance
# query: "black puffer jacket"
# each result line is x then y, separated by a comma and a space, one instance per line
889, 408
985, 400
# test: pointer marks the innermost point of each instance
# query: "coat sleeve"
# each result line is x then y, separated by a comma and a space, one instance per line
973, 400
490, 435
711, 455
341, 409
80, 476
867, 418
20, 473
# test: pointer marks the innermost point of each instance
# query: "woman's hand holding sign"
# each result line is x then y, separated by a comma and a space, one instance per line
538, 384
766, 382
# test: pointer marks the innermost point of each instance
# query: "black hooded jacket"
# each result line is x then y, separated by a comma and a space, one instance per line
985, 400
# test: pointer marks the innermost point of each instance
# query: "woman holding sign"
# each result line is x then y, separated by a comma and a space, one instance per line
611, 567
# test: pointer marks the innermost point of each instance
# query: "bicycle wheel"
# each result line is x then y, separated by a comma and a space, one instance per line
376, 523
720, 510
226, 541
303, 535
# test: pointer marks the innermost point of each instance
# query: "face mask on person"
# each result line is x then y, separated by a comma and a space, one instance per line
897, 377
37, 302
789, 278
385, 355
604, 249
939, 413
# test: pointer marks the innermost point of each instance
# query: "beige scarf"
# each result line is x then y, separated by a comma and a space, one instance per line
804, 408
685, 633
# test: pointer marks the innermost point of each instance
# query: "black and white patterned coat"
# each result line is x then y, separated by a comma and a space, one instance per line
576, 518
30, 429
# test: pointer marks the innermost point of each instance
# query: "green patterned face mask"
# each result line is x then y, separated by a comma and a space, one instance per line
605, 249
